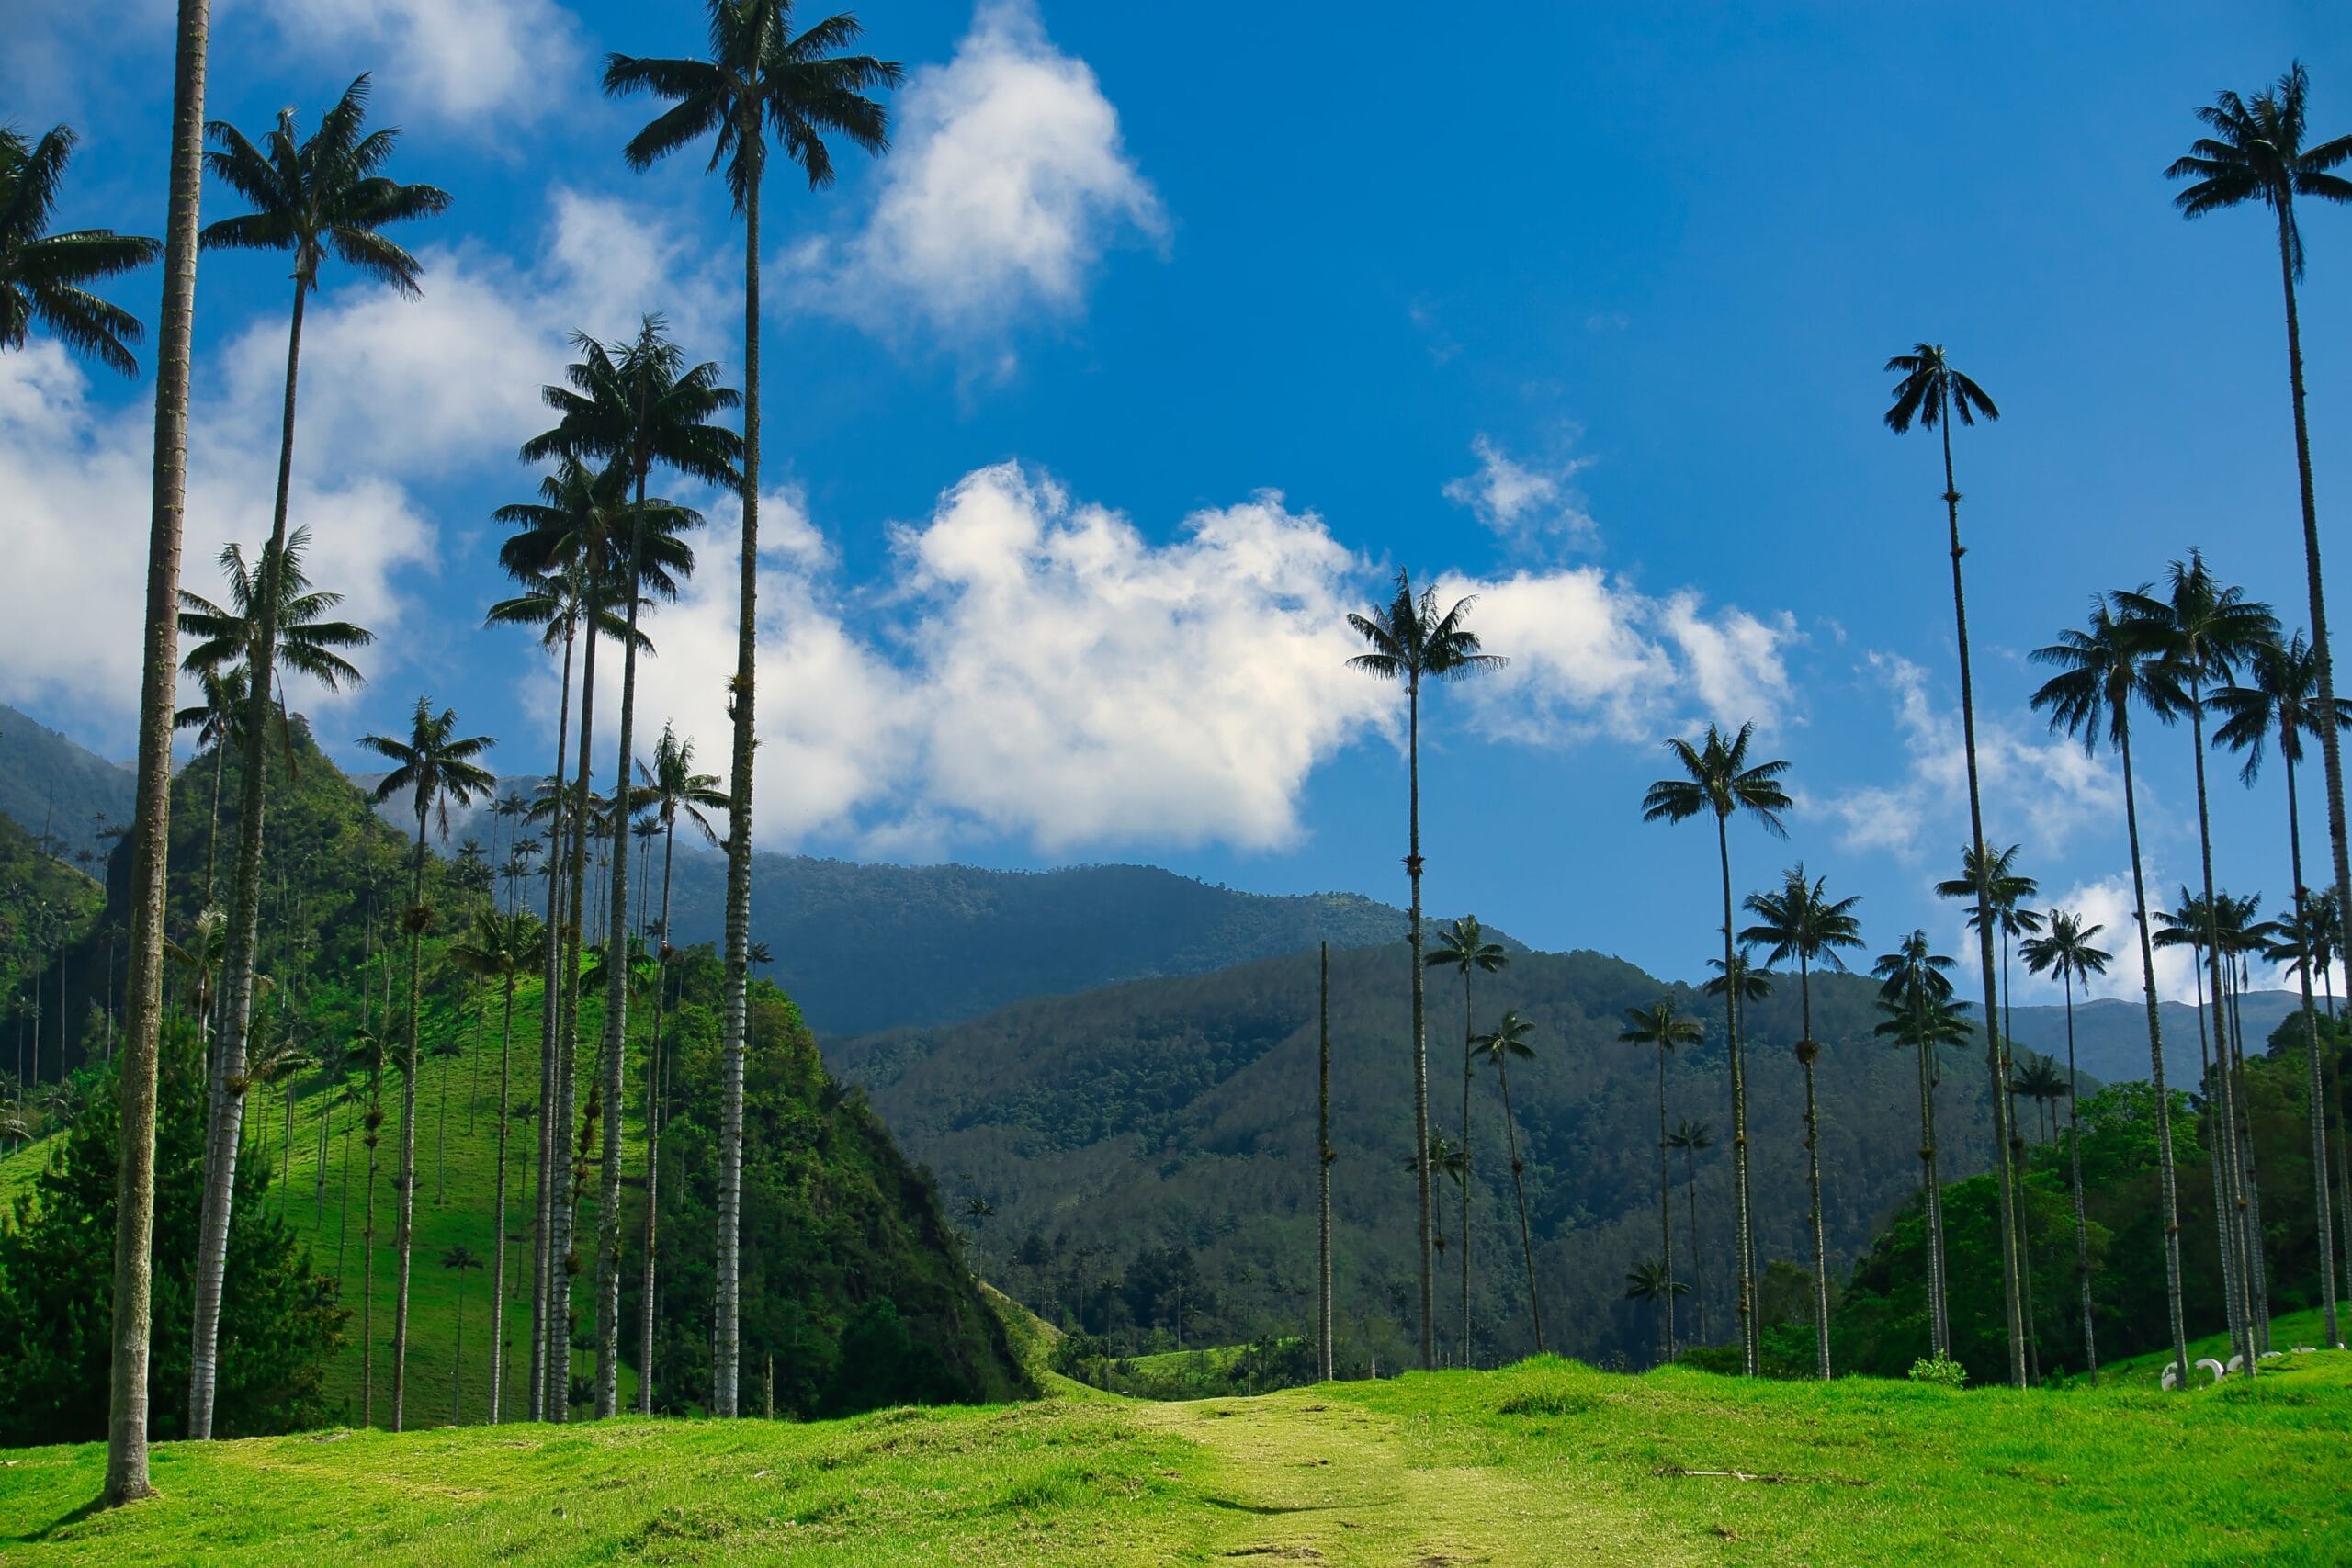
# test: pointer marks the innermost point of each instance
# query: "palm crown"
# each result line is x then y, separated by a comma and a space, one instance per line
2118, 657
639, 404
1511, 1040
1913, 974
1464, 945
674, 789
43, 274
1659, 1024
2003, 887
307, 641
433, 762
2203, 631
1412, 638
326, 194
1932, 390
762, 78
2281, 703
1802, 922
1718, 778
2257, 154
2064, 950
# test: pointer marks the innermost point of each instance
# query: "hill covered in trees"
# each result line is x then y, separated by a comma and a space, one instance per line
52, 784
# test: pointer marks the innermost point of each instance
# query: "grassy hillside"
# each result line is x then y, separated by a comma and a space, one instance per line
1542, 1463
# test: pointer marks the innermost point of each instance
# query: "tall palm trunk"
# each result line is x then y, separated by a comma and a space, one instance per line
2232, 1200
2017, 1152
498, 1238
406, 1224
134, 1187
1322, 1170
654, 1136
2331, 750
375, 1118
564, 1196
608, 1210
550, 1026
2075, 1171
2217, 1166
1698, 1272
1807, 1051
726, 1330
1468, 1069
2164, 1159
1665, 1205
212, 835
1744, 1259
2250, 1185
1996, 1055
1932, 1188
227, 1111
1420, 1033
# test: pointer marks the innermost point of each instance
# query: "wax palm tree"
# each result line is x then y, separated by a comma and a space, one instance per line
2258, 152
199, 958
1915, 992
324, 195
1464, 945
1718, 780
1661, 1028
2103, 670
2281, 702
460, 1260
634, 406
43, 276
571, 534
228, 637
1689, 1137
1444, 1161
1512, 1037
435, 767
761, 76
1932, 394
1651, 1280
217, 717
2065, 949
1802, 922
671, 790
2205, 633
1412, 640
499, 949
2194, 923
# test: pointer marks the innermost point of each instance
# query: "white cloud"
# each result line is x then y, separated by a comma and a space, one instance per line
1520, 501
477, 61
2044, 789
1007, 181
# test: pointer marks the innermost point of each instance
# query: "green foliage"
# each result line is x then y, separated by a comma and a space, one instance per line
1938, 1370
280, 1321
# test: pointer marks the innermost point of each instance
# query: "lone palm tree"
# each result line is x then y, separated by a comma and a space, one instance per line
499, 949
1915, 995
1412, 640
1651, 1280
327, 194
2066, 950
636, 406
2257, 153
42, 275
1689, 1137
2282, 703
435, 767
1719, 779
1464, 946
2205, 633
1802, 922
1932, 393
1511, 1039
2102, 671
1659, 1026
761, 76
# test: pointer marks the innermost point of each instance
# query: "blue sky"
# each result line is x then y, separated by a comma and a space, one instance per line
1142, 358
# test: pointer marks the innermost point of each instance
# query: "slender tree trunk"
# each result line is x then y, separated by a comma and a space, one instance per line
1464, 1184
2230, 1201
562, 1256
134, 1191
343, 1207
498, 1241
458, 1362
1995, 1056
653, 1135
1698, 1272
1805, 1053
726, 1346
1937, 1336
212, 835
367, 1250
2165, 1160
2250, 1185
1665, 1206
550, 1026
1322, 1165
226, 1122
2017, 1158
2074, 1168
1743, 1257
1420, 1033
407, 1221
608, 1211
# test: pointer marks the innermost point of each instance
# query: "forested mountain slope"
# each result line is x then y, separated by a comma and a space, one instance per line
1178, 1114
53, 785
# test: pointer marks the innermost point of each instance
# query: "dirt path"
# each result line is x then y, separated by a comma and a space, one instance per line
1314, 1479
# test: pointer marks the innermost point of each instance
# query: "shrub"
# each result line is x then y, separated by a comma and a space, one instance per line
1936, 1369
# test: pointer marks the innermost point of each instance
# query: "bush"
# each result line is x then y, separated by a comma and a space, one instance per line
1938, 1370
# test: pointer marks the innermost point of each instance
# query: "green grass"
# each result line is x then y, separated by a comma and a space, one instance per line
1541, 1463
